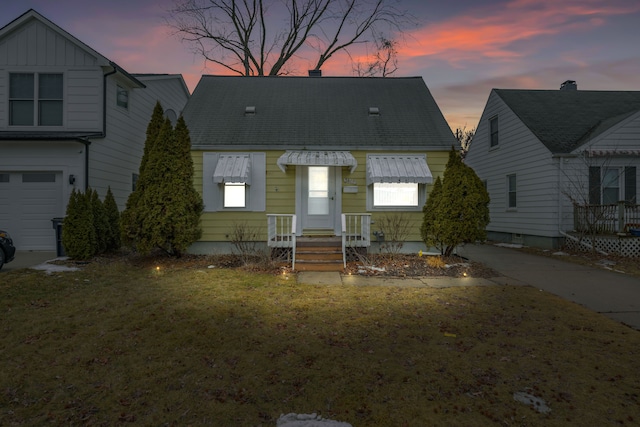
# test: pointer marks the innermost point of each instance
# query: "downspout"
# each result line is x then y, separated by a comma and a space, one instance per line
103, 134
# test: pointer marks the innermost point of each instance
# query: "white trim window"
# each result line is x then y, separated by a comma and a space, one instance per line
35, 98
122, 97
397, 181
610, 186
234, 182
235, 195
398, 194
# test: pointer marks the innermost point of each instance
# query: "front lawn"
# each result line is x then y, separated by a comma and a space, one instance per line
122, 343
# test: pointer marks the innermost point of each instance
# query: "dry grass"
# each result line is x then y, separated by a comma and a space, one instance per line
120, 343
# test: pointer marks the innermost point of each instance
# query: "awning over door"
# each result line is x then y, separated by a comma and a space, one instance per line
233, 168
398, 168
317, 158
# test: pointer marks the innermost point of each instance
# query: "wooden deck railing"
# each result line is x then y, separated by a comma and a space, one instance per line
281, 232
605, 219
356, 232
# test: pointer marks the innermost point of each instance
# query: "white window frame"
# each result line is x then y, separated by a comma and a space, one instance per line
422, 198
396, 188
37, 101
122, 97
616, 174
213, 192
232, 199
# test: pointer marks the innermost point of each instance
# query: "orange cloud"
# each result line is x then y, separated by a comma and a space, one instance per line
491, 32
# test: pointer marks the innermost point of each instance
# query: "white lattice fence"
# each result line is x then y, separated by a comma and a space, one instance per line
625, 246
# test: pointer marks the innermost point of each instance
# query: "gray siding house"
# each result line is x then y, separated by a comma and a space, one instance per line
69, 118
542, 151
318, 151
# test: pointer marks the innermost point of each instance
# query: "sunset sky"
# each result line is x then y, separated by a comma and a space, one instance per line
462, 48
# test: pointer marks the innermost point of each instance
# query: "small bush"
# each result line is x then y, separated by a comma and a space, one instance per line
244, 239
436, 262
395, 228
78, 231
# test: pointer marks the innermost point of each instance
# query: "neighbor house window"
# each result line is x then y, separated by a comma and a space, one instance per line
493, 129
122, 97
610, 186
511, 191
235, 195
35, 98
400, 194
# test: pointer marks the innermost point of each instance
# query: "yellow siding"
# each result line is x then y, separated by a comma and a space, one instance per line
280, 197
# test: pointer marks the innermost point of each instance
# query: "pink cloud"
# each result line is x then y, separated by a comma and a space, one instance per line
490, 32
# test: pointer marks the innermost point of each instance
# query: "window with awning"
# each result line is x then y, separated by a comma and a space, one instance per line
397, 181
317, 158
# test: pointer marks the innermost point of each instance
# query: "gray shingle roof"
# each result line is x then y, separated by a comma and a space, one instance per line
565, 119
315, 113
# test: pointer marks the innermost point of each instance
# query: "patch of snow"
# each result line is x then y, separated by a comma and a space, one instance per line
560, 253
308, 420
54, 268
510, 245
460, 264
371, 268
529, 399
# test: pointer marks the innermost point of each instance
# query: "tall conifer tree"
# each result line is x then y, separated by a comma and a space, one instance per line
131, 220
461, 211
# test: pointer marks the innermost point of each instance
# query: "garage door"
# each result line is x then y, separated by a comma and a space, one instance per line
28, 202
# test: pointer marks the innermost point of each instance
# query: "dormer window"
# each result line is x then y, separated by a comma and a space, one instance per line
122, 97
35, 98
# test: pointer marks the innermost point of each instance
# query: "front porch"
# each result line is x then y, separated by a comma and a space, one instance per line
315, 251
610, 228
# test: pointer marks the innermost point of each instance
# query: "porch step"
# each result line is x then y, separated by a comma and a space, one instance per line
319, 253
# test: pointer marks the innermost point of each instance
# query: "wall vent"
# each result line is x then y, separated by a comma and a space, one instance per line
250, 110
374, 111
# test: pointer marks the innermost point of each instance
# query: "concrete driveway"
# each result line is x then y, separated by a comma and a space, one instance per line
613, 294
26, 259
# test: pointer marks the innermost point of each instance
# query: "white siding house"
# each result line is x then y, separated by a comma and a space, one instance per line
69, 118
535, 149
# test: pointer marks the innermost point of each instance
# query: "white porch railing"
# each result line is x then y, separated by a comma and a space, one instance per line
281, 229
356, 232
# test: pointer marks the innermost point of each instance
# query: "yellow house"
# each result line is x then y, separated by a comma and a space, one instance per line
295, 158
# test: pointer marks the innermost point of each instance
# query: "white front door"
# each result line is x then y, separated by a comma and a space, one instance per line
318, 197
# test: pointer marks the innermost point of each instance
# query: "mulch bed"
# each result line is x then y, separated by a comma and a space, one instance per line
383, 265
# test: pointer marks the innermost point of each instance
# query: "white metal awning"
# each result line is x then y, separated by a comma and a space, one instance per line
398, 168
317, 158
233, 168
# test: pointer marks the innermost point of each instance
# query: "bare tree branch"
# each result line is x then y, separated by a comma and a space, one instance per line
247, 38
